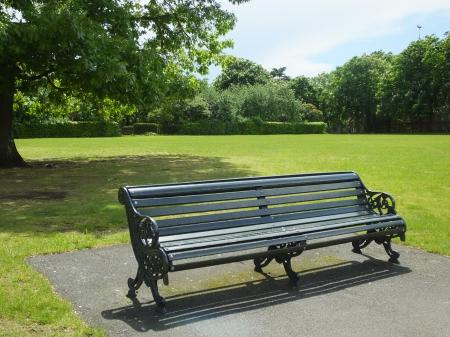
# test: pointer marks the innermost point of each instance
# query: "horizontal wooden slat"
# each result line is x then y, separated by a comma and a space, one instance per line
193, 228
232, 248
290, 238
261, 235
212, 197
175, 210
198, 219
250, 255
313, 221
231, 185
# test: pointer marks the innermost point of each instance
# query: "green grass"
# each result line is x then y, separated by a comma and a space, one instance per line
73, 205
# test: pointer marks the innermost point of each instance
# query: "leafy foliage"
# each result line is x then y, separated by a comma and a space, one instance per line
239, 71
273, 101
143, 128
279, 74
413, 93
137, 53
385, 93
304, 89
250, 127
270, 102
67, 129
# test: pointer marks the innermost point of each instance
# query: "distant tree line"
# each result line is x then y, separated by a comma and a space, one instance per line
382, 92
377, 92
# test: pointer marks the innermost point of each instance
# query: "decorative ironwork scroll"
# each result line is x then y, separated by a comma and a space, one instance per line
381, 202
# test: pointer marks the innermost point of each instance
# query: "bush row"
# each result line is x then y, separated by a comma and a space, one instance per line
67, 129
142, 128
209, 127
205, 127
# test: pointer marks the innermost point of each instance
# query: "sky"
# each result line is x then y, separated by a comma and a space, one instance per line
310, 37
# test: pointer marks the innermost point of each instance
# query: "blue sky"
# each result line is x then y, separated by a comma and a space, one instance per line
309, 37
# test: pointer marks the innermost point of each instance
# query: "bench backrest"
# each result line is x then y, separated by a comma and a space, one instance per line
219, 204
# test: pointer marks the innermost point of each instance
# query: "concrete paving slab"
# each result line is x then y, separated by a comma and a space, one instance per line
341, 294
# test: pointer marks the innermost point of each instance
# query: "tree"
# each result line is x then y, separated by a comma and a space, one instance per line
413, 91
130, 51
279, 74
304, 89
443, 106
355, 86
241, 72
273, 101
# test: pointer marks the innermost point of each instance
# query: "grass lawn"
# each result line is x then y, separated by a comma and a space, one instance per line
73, 204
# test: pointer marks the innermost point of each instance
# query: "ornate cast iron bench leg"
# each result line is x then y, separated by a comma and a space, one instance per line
293, 276
261, 262
135, 284
385, 241
159, 300
360, 244
393, 255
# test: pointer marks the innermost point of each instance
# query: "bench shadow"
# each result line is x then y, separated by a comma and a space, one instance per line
240, 297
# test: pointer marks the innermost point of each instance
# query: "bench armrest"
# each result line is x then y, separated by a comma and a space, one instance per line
148, 231
142, 227
381, 202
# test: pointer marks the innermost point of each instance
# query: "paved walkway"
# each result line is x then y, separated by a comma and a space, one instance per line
341, 294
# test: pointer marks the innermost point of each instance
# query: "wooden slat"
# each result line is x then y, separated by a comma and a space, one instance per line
232, 248
161, 211
250, 255
292, 238
337, 218
310, 188
212, 197
238, 184
253, 213
193, 228
261, 235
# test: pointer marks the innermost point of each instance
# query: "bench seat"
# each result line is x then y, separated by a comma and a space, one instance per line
181, 226
209, 243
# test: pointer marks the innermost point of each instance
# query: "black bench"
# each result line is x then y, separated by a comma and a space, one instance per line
182, 226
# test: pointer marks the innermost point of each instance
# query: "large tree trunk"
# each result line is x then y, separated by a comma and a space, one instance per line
9, 156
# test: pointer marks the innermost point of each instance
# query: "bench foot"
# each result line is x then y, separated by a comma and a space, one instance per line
393, 255
293, 276
360, 244
385, 241
135, 284
159, 300
261, 262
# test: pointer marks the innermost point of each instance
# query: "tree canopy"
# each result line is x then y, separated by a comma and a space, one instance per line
240, 71
130, 51
380, 92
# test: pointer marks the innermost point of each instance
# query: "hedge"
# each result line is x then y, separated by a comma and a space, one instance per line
127, 130
141, 128
67, 129
209, 127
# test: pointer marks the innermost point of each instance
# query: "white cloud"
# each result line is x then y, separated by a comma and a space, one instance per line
293, 33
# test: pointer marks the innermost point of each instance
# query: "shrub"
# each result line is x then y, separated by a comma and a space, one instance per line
223, 106
67, 129
255, 127
273, 101
127, 129
141, 128
312, 113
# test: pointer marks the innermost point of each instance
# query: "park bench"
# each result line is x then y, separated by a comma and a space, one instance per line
181, 226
